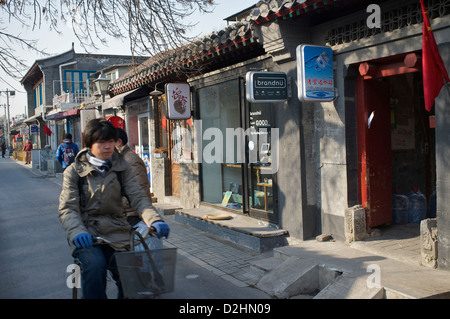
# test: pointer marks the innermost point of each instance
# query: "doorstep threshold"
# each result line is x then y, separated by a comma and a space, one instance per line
241, 230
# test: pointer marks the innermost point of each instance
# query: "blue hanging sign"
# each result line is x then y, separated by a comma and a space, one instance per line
315, 73
34, 129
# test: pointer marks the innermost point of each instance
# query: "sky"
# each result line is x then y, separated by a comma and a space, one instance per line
56, 44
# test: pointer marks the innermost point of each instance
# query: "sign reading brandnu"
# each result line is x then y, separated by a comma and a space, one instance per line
315, 73
266, 87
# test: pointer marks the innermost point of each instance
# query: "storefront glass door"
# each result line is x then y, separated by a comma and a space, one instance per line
261, 173
236, 165
221, 165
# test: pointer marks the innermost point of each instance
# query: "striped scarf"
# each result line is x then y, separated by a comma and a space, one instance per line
100, 165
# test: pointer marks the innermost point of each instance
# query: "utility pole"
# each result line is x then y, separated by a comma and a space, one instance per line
4, 122
8, 93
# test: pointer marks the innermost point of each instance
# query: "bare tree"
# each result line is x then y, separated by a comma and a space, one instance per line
151, 26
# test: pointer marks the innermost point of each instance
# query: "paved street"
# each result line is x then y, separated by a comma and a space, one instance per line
33, 246
35, 254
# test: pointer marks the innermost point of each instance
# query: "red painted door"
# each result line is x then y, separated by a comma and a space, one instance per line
374, 150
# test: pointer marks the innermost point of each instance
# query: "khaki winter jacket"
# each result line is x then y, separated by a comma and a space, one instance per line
102, 214
140, 171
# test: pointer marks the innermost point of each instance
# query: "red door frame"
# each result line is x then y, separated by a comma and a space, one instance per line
377, 201
374, 150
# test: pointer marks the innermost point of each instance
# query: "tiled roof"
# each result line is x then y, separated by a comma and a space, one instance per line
265, 11
223, 43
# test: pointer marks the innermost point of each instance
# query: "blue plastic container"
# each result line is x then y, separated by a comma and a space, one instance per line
417, 208
400, 209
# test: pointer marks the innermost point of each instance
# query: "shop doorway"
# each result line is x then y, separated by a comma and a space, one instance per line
143, 143
176, 148
260, 179
396, 144
236, 171
374, 148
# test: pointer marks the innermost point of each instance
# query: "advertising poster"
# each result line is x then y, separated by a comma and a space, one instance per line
315, 73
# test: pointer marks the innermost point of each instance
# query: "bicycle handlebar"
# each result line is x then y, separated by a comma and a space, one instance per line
151, 231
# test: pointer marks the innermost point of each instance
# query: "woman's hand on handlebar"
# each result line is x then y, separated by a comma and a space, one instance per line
162, 229
83, 240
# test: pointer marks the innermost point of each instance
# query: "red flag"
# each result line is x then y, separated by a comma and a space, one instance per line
47, 130
433, 68
164, 122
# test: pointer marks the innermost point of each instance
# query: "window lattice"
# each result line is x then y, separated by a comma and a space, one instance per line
397, 18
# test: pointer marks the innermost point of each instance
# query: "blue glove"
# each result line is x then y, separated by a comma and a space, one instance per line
162, 229
83, 240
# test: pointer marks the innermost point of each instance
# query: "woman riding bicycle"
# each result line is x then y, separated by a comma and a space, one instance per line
91, 205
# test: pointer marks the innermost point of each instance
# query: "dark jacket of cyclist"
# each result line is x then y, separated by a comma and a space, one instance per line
93, 205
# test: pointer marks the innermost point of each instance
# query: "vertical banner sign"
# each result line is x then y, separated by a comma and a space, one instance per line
315, 73
178, 97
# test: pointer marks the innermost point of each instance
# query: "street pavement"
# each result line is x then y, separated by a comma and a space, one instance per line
35, 253
33, 246
357, 269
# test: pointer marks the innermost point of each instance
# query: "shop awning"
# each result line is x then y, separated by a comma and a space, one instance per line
64, 114
55, 115
121, 99
51, 115
33, 118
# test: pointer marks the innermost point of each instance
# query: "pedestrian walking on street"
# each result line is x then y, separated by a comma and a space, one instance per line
91, 205
67, 151
3, 149
27, 148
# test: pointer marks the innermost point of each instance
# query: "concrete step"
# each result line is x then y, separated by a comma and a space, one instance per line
350, 287
298, 278
165, 209
238, 229
265, 265
397, 279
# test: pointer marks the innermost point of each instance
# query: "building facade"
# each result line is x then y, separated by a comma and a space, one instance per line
300, 165
58, 89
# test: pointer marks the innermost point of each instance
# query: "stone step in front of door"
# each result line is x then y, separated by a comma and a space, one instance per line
237, 229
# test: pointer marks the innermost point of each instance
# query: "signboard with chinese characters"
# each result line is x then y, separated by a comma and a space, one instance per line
178, 97
34, 129
315, 73
266, 87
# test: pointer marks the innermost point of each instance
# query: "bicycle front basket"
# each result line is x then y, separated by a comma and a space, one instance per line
147, 273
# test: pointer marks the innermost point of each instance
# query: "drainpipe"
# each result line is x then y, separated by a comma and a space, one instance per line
61, 75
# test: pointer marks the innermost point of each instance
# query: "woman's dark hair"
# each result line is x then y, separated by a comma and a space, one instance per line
98, 130
122, 135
